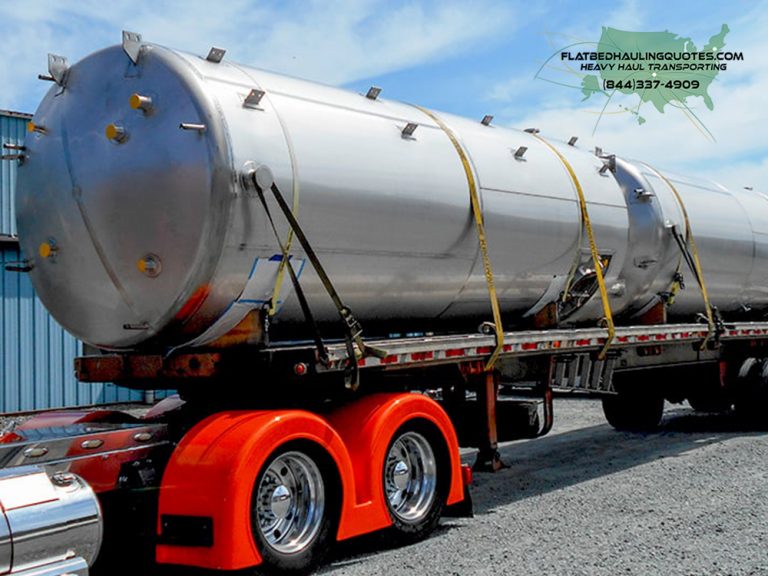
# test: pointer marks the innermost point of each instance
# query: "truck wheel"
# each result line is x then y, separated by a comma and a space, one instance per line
751, 392
634, 412
414, 480
709, 402
293, 510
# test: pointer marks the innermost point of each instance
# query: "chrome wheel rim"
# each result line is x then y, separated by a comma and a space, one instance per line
289, 503
410, 477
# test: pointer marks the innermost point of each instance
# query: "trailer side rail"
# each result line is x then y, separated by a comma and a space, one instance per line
409, 352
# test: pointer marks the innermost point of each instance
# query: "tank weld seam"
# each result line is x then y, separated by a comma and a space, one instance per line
97, 246
353, 109
622, 207
294, 210
482, 239
596, 260
273, 302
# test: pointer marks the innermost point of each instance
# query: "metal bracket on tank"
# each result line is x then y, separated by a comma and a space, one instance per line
643, 195
609, 163
132, 45
215, 55
254, 99
58, 69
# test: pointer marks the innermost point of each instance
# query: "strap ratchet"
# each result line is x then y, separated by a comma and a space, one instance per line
262, 178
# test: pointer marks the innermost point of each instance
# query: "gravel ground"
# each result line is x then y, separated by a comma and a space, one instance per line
587, 500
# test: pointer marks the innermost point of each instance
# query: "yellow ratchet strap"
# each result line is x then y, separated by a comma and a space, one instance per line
284, 259
478, 215
696, 262
676, 285
592, 246
288, 241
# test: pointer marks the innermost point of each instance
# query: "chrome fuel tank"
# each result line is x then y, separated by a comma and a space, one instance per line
49, 526
131, 205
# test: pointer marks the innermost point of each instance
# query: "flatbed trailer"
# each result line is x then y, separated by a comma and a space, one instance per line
190, 475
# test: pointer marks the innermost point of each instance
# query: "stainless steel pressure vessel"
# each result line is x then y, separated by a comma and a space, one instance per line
132, 208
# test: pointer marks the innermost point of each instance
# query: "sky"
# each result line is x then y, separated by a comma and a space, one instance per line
465, 57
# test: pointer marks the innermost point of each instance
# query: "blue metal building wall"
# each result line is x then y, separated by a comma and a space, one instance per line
36, 353
13, 127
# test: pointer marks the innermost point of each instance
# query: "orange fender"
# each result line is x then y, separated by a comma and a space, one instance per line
212, 473
367, 427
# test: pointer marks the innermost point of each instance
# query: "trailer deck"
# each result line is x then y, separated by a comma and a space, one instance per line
413, 352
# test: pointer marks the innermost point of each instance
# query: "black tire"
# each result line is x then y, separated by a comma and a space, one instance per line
634, 411
751, 393
277, 511
702, 386
414, 500
709, 402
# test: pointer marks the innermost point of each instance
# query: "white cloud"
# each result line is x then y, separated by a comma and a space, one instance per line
736, 174
334, 41
511, 89
628, 15
338, 47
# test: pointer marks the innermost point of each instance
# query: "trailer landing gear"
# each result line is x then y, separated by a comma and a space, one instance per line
488, 458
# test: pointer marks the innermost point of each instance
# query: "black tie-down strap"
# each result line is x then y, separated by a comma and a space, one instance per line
713, 317
353, 331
